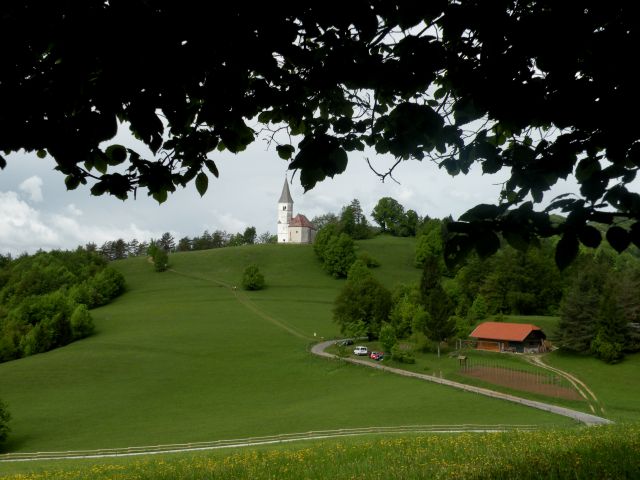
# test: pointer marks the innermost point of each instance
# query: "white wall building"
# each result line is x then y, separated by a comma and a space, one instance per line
292, 229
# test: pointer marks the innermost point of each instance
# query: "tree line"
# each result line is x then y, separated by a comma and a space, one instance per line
119, 249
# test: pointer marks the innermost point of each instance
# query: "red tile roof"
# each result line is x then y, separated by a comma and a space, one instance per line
515, 332
301, 221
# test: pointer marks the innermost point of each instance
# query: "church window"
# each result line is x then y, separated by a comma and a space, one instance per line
284, 208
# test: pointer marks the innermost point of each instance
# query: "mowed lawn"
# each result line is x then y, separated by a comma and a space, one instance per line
183, 357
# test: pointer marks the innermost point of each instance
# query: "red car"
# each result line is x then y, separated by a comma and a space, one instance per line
377, 355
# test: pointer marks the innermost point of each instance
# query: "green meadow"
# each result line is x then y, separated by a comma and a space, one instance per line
184, 357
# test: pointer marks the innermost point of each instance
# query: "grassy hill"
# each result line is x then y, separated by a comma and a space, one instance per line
183, 357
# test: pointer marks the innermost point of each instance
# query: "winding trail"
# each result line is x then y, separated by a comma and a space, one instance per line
586, 418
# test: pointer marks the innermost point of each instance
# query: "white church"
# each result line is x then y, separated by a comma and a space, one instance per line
292, 229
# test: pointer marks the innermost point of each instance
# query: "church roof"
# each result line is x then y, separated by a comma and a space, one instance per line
285, 197
301, 221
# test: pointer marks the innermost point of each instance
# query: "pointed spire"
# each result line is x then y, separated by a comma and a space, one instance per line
285, 197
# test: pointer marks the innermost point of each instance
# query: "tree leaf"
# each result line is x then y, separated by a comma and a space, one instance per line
160, 196
72, 182
41, 153
212, 167
116, 154
618, 238
590, 236
456, 249
487, 243
566, 250
3, 163
285, 151
202, 183
483, 211
634, 234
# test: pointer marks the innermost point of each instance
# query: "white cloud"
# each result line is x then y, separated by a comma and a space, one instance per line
25, 229
73, 210
229, 223
21, 228
33, 187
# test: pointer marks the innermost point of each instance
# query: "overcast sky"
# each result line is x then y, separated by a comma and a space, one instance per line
36, 210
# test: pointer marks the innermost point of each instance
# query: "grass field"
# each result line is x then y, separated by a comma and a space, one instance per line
182, 358
597, 452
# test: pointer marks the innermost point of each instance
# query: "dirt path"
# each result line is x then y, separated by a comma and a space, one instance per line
586, 418
585, 392
247, 303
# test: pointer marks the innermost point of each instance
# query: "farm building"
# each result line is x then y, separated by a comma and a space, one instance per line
508, 337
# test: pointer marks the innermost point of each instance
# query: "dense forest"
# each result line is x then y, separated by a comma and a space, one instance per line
45, 299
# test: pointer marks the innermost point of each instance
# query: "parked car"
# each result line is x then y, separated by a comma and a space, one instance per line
345, 342
377, 355
360, 350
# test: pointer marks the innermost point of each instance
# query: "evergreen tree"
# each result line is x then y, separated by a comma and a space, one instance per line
167, 242
440, 325
580, 309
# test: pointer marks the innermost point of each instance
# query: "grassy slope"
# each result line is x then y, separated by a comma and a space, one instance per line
180, 358
616, 386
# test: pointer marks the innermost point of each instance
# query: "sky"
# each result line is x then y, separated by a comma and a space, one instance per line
37, 212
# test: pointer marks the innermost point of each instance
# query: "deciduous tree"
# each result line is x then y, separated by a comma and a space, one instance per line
388, 213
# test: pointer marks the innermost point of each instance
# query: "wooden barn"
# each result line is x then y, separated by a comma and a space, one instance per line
508, 337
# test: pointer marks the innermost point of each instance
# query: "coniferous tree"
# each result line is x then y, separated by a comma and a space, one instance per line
440, 324
580, 309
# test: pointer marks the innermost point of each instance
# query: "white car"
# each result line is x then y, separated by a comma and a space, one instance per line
360, 350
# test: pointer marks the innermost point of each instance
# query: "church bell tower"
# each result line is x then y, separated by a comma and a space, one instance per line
285, 212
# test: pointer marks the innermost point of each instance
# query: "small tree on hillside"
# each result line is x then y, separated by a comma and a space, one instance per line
389, 214
339, 254
160, 260
4, 422
252, 279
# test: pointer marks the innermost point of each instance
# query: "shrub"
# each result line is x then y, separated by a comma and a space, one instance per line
81, 322
401, 355
252, 279
604, 349
368, 260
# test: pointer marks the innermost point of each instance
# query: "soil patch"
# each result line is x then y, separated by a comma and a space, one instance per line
549, 386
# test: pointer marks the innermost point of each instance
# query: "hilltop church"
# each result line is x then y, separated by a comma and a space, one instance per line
292, 229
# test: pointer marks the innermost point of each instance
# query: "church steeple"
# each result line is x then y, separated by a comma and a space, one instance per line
285, 213
285, 197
